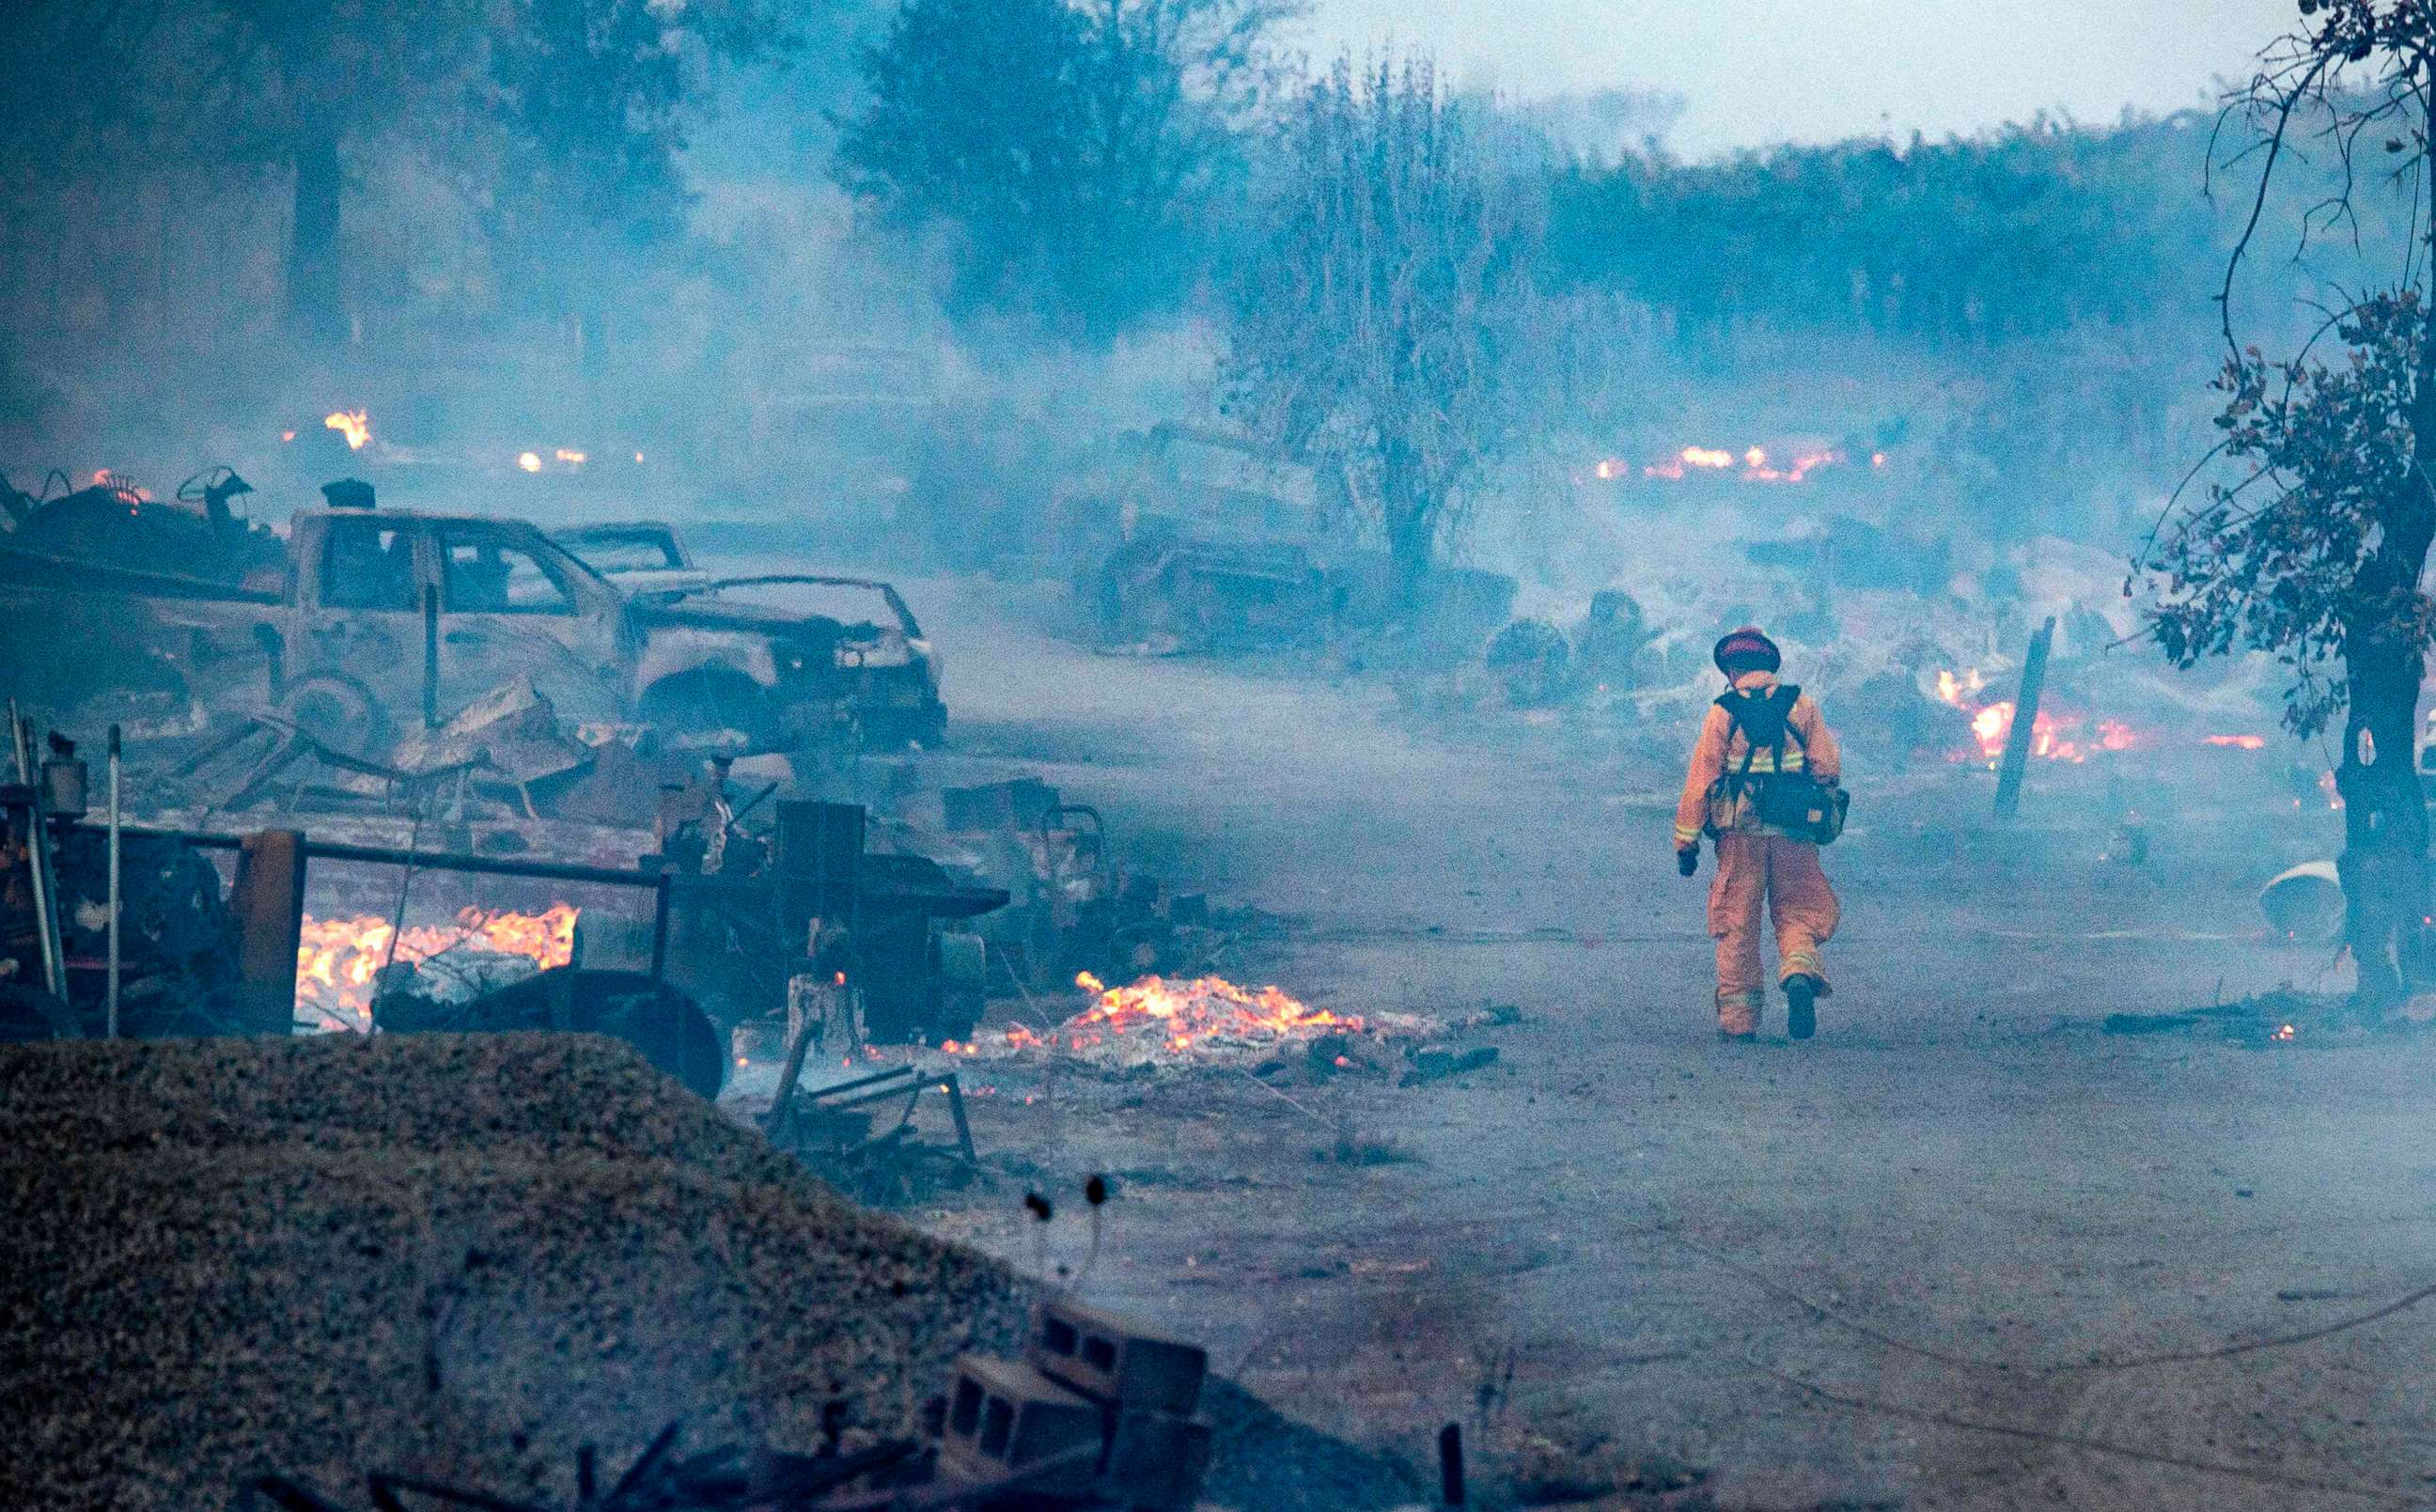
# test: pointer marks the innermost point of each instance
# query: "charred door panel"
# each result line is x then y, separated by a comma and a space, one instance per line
508, 608
361, 615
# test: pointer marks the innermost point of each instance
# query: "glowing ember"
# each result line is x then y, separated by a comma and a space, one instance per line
1180, 1014
353, 423
2239, 742
572, 457
529, 462
338, 959
128, 494
1197, 1021
1753, 465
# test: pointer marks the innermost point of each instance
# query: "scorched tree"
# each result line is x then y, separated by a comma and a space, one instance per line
2315, 550
1384, 326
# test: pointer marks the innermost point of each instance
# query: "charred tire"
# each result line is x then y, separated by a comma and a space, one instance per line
336, 710
706, 701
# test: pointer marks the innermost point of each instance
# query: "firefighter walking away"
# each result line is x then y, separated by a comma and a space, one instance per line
1765, 785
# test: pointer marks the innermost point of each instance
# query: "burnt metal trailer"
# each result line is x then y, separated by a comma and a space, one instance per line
826, 904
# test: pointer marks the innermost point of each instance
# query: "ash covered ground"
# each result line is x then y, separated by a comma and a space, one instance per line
1965, 1248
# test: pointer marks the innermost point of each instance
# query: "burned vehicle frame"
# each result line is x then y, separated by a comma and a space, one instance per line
888, 669
368, 615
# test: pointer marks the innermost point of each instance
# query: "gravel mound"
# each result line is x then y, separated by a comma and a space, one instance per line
452, 1256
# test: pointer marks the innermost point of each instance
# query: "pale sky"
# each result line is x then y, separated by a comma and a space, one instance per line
1762, 71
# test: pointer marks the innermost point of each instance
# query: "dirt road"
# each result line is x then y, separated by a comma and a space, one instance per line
1964, 1249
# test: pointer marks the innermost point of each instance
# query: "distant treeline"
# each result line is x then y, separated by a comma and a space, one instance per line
2023, 232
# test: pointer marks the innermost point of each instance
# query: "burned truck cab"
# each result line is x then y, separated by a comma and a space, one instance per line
440, 609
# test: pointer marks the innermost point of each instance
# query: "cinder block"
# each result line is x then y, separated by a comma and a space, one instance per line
1003, 1414
1113, 1361
1155, 1462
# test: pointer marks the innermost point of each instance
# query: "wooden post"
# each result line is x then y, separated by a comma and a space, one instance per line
2026, 719
430, 657
269, 900
774, 1124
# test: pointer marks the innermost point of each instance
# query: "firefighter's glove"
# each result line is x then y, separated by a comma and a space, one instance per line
1687, 861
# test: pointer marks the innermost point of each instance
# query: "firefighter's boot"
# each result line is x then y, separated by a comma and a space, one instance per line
1801, 1006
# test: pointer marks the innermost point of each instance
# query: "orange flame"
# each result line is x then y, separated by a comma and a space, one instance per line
338, 959
1751, 466
354, 424
2053, 736
1182, 1013
2239, 742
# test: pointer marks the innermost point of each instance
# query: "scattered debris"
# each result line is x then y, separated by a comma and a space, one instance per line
1072, 909
2283, 1018
2304, 903
1435, 1063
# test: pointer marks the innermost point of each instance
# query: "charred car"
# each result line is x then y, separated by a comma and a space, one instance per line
369, 613
881, 658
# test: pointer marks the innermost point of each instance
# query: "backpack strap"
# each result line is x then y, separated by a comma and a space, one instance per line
1780, 702
1791, 694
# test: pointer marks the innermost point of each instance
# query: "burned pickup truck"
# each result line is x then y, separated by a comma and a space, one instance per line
376, 614
880, 647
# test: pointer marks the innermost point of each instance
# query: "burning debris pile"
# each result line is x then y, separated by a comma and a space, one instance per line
2055, 734
339, 961
1204, 1022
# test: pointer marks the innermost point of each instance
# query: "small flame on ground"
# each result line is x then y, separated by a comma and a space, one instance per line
570, 456
337, 958
353, 423
2053, 736
1181, 1014
2239, 742
529, 462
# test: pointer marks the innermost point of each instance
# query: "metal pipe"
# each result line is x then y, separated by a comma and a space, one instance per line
325, 850
112, 989
660, 926
38, 847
